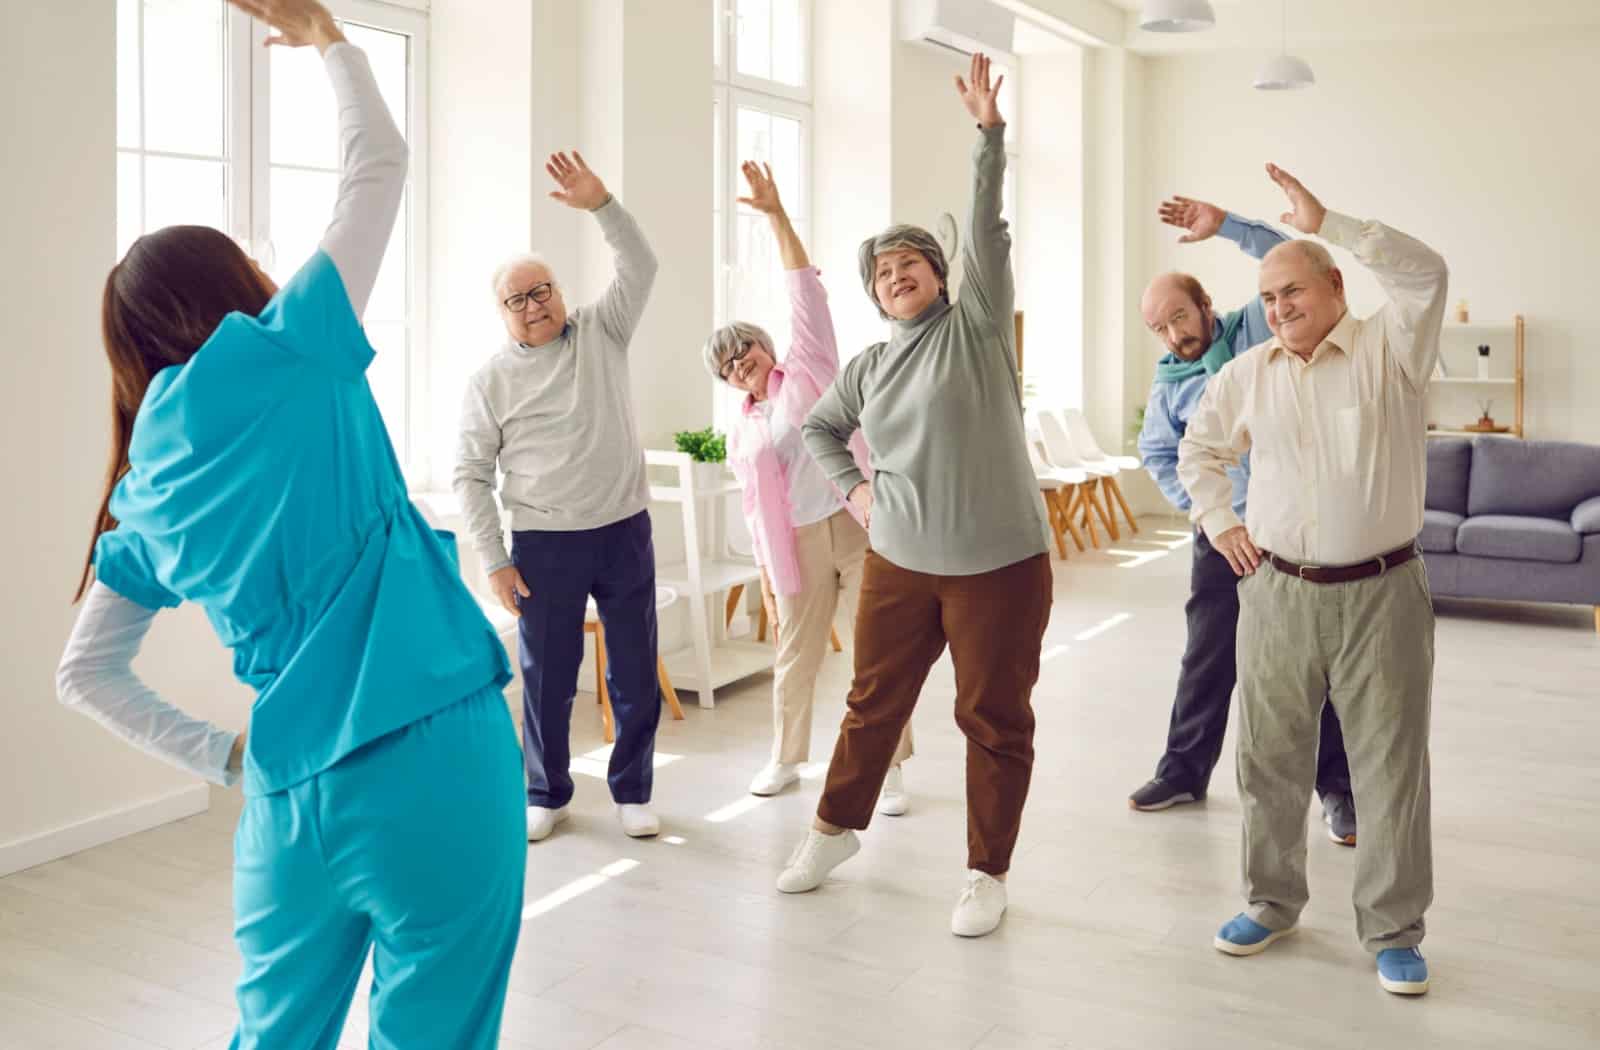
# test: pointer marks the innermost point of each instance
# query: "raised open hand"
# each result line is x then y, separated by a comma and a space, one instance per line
295, 23
1202, 220
1308, 212
580, 187
763, 189
980, 96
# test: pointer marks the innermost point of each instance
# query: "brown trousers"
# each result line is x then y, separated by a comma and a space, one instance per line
994, 624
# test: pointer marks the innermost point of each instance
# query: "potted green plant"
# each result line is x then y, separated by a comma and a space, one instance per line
708, 449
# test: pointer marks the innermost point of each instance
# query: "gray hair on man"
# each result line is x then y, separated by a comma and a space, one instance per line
1317, 255
902, 238
515, 262
729, 339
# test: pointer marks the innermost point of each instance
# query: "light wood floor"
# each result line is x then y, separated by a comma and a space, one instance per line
682, 942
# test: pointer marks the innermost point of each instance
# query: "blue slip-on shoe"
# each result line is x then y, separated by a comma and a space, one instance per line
1242, 935
1402, 971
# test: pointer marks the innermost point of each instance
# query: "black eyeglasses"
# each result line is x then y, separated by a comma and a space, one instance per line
539, 293
733, 359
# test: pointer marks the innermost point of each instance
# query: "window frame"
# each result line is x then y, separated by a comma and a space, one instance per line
247, 167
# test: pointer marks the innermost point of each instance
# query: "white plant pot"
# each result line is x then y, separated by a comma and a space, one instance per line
706, 475
1483, 366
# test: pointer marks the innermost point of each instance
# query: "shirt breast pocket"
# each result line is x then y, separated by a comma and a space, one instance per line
1355, 437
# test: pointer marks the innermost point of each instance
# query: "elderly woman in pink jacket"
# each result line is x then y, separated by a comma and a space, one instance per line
808, 541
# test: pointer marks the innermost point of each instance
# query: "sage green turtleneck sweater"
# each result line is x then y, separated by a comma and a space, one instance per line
954, 493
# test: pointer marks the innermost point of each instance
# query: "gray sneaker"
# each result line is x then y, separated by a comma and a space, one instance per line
1339, 813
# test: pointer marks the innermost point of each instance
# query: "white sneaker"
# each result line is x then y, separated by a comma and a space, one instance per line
542, 821
814, 858
773, 778
637, 820
892, 800
982, 903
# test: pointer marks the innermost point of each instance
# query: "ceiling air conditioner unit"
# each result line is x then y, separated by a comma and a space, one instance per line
963, 26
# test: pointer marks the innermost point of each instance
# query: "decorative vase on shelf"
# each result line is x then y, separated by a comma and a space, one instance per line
1461, 312
707, 475
1483, 361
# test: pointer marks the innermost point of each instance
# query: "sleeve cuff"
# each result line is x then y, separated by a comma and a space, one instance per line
1233, 228
848, 481
221, 748
495, 564
1340, 229
1218, 521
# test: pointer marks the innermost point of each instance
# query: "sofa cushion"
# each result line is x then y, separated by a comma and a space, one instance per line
1539, 478
1439, 531
1449, 464
1520, 538
1586, 515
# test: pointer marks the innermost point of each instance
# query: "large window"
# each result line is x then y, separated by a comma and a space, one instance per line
214, 129
761, 108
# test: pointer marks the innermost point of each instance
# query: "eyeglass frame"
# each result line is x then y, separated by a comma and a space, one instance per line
726, 370
532, 293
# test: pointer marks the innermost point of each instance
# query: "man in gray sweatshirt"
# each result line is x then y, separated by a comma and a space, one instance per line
553, 411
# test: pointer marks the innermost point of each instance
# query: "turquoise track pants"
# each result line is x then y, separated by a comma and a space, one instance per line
413, 847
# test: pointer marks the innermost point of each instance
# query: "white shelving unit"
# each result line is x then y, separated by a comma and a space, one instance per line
1453, 396
707, 570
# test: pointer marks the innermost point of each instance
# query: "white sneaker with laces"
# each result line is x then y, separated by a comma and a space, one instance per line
637, 820
892, 800
982, 904
773, 778
543, 820
814, 858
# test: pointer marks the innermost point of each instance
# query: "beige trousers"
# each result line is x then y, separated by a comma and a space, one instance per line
831, 554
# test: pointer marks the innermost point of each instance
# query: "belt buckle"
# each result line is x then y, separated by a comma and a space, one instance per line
1383, 566
1302, 573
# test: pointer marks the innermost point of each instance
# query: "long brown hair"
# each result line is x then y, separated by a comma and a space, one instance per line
161, 303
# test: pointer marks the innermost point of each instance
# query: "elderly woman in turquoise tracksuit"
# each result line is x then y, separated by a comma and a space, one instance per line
252, 474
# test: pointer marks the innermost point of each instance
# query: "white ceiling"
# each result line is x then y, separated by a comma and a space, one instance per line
1257, 24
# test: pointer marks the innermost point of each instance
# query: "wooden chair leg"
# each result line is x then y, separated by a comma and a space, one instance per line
1103, 508
1086, 505
1069, 502
1597, 619
1052, 505
667, 692
600, 683
1116, 492
734, 594
838, 646
761, 625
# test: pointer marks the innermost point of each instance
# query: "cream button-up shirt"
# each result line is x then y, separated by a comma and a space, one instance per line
1338, 443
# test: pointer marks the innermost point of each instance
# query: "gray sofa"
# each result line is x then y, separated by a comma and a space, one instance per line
1515, 520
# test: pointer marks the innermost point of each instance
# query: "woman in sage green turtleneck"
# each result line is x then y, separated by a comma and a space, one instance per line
958, 535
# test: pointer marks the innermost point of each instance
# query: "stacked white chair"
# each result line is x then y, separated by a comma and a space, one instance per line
1083, 440
1061, 490
1062, 454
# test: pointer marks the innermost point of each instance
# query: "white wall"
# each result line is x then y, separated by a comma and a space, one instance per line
1050, 258
480, 165
1480, 146
65, 783
851, 154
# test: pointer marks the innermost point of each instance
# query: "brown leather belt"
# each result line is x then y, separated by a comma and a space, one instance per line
1344, 573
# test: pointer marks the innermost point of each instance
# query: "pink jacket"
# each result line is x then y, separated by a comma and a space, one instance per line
795, 385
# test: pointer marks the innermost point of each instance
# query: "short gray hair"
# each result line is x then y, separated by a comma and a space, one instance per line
902, 238
726, 341
521, 259
1317, 255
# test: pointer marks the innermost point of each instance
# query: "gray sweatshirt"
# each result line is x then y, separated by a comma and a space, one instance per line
954, 493
558, 419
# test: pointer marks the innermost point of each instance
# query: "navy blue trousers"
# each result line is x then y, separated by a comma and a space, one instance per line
1206, 680
617, 565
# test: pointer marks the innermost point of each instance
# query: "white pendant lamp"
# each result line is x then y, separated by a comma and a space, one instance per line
1284, 72
1176, 16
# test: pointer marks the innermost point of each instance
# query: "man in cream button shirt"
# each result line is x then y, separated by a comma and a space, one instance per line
1333, 597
